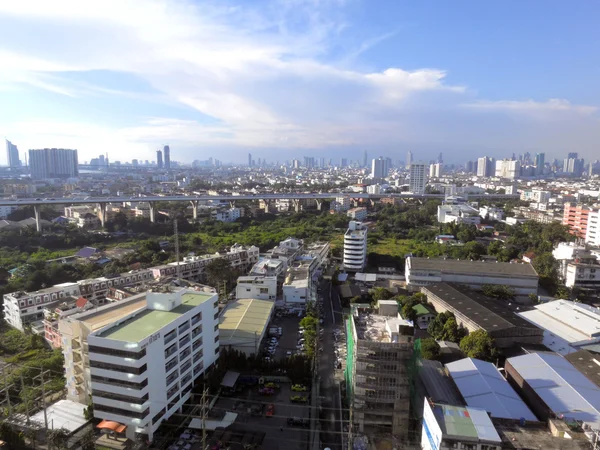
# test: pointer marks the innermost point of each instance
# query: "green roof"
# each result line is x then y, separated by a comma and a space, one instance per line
421, 309
150, 321
455, 421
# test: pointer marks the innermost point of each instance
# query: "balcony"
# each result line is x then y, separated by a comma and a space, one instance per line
170, 336
183, 327
171, 351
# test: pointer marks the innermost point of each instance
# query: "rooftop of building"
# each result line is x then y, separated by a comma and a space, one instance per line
439, 386
105, 315
573, 322
564, 389
466, 267
488, 313
587, 363
482, 386
150, 321
244, 321
375, 327
465, 423
536, 435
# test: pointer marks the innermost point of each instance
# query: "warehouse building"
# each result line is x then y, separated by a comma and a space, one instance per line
424, 271
243, 324
554, 388
482, 386
567, 325
475, 311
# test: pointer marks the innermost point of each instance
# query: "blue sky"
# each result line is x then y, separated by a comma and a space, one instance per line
288, 78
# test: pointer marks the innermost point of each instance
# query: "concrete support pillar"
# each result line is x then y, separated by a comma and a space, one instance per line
36, 211
319, 204
296, 203
194, 208
372, 201
267, 204
232, 204
152, 212
102, 209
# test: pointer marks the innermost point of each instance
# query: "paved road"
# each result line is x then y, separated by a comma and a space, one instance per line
330, 413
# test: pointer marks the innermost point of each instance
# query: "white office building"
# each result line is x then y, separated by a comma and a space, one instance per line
458, 213
592, 235
355, 246
508, 168
258, 287
379, 168
143, 366
491, 212
418, 178
358, 214
436, 170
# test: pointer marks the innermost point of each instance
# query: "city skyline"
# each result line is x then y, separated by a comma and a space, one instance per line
326, 79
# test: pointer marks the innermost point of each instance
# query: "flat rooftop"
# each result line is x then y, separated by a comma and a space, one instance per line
113, 312
587, 363
490, 314
244, 321
150, 321
374, 327
465, 267
465, 422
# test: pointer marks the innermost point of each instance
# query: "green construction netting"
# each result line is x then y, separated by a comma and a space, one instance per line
348, 374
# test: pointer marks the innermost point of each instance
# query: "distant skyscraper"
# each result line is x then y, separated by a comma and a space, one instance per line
322, 162
344, 162
159, 159
440, 158
409, 158
486, 167
365, 160
53, 163
249, 159
508, 168
418, 178
573, 155
167, 155
379, 168
12, 155
539, 163
436, 170
574, 166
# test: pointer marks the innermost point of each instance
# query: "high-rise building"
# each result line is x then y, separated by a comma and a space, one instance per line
539, 163
365, 160
440, 158
344, 162
167, 155
486, 167
143, 366
53, 163
576, 218
249, 159
409, 158
418, 178
508, 168
12, 155
379, 168
436, 170
159, 159
573, 166
355, 246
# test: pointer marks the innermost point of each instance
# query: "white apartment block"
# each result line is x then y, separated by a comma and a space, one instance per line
418, 178
459, 213
536, 195
355, 247
74, 330
95, 289
256, 287
583, 276
143, 366
491, 212
23, 308
508, 169
358, 214
229, 215
436, 170
342, 204
592, 235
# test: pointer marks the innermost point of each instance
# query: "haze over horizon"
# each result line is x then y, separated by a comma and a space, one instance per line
287, 78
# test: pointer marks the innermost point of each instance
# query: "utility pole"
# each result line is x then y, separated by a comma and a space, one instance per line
204, 411
176, 233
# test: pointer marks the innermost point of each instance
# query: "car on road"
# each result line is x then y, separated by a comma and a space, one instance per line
298, 422
298, 399
299, 388
270, 410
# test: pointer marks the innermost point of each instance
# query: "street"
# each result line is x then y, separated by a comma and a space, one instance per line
330, 394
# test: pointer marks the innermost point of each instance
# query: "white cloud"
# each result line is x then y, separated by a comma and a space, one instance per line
266, 75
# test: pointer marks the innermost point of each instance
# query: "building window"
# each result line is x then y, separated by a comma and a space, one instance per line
121, 353
122, 412
118, 368
157, 417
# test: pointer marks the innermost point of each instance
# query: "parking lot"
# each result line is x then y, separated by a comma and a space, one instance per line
286, 344
252, 408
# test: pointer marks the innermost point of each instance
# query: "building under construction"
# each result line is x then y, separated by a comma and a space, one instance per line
380, 349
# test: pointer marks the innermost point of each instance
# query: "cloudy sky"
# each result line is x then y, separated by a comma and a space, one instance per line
288, 78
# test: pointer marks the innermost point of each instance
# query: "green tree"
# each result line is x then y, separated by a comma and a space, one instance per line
563, 292
436, 326
430, 349
219, 272
12, 437
499, 291
88, 412
380, 293
478, 344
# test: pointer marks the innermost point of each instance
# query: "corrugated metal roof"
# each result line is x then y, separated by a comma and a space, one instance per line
482, 386
565, 390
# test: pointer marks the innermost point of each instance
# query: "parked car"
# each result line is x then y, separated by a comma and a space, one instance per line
298, 399
298, 422
270, 410
299, 388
